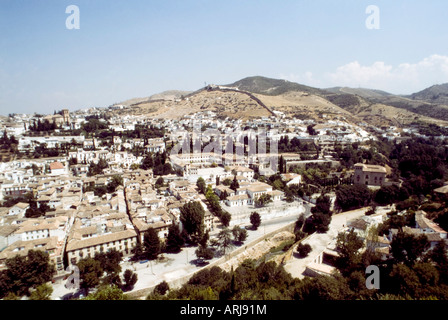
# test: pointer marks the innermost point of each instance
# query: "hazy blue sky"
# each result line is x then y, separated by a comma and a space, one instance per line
136, 48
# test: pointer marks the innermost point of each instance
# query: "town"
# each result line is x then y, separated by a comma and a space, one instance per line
84, 186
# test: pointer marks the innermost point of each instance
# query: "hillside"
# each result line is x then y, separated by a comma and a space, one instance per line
437, 94
362, 92
272, 87
225, 104
260, 96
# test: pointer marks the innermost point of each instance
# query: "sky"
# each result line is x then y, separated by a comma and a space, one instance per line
136, 48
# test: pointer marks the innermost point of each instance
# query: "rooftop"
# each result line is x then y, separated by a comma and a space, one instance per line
106, 238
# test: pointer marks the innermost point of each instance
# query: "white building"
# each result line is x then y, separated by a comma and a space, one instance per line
18, 209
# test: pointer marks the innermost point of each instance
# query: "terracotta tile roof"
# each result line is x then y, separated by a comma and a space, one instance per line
56, 165
102, 239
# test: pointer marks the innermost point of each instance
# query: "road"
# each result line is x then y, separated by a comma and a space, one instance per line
174, 266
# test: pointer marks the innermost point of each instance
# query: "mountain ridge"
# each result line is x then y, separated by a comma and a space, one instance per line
297, 100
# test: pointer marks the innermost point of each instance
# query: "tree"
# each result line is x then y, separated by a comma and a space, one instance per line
225, 218
107, 293
439, 256
42, 292
234, 185
110, 261
192, 218
130, 279
35, 212
97, 168
174, 241
200, 183
408, 248
151, 244
320, 217
311, 131
147, 162
255, 220
225, 240
90, 272
350, 197
348, 246
263, 200
159, 182
138, 252
203, 252
323, 288
28, 271
112, 186
370, 255
318, 222
323, 204
239, 234
281, 165
426, 273
303, 250
5, 284
403, 280
162, 288
204, 240
223, 195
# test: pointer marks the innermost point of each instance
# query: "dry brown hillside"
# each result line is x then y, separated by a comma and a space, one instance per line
232, 104
255, 97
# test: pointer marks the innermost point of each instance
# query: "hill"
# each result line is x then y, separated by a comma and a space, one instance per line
261, 96
362, 92
271, 87
437, 94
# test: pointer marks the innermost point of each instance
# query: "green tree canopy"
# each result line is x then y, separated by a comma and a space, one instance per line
239, 234
107, 293
151, 244
349, 197
110, 260
25, 272
174, 241
42, 292
263, 200
408, 248
192, 218
130, 279
255, 220
200, 183
225, 240
90, 273
348, 246
203, 252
